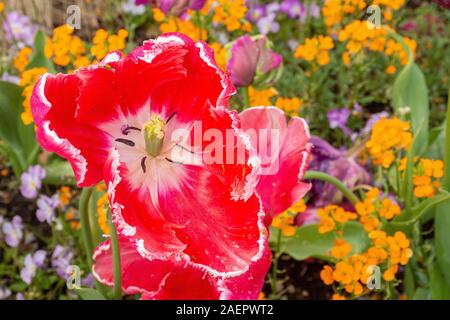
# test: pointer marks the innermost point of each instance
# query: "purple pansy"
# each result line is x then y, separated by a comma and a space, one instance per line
292, 8
13, 231
251, 58
174, 7
31, 263
9, 78
31, 181
61, 257
341, 164
338, 118
46, 208
131, 7
268, 24
5, 293
19, 28
372, 120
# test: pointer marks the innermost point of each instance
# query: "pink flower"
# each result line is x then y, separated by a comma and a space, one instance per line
189, 212
253, 61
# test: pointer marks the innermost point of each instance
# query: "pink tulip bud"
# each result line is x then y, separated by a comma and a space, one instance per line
253, 62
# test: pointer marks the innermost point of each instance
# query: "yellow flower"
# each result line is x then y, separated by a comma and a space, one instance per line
261, 98
285, 222
341, 249
28, 79
343, 273
174, 24
72, 219
333, 215
315, 49
337, 296
427, 173
65, 195
298, 207
231, 13
391, 69
220, 54
158, 15
102, 213
388, 138
290, 105
22, 59
2, 7
327, 275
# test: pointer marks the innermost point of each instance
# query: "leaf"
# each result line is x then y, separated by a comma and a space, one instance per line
418, 211
39, 59
442, 238
439, 288
89, 294
409, 281
308, 242
10, 106
410, 90
59, 172
422, 294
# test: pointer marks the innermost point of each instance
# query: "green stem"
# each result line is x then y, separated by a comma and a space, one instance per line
446, 181
85, 225
245, 97
275, 266
32, 158
116, 260
322, 176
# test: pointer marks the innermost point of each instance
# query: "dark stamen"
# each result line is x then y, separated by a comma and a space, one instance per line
126, 141
144, 168
184, 148
171, 161
126, 129
171, 116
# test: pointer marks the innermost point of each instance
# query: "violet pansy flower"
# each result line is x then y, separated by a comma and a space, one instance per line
13, 231
31, 181
31, 264
46, 208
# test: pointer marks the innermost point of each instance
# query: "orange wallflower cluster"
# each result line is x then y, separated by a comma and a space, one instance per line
103, 42
231, 13
426, 176
261, 98
372, 209
102, 213
389, 137
334, 11
27, 80
315, 49
333, 217
22, 58
220, 54
72, 219
64, 48
359, 36
186, 26
286, 220
65, 195
351, 273
290, 105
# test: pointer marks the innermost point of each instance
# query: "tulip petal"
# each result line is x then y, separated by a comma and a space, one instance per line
286, 148
175, 279
53, 106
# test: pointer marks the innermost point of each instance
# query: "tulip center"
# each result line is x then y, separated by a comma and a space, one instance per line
154, 135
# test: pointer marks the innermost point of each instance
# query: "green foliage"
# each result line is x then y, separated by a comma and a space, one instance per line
308, 242
18, 141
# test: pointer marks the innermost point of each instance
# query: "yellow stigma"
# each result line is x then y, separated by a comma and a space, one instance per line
154, 135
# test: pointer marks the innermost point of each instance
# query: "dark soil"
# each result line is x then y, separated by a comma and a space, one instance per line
300, 280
